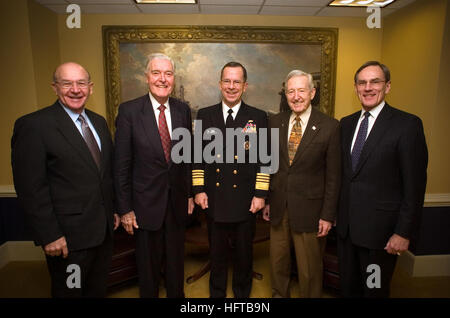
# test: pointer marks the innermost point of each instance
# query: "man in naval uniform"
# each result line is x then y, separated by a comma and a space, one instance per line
231, 191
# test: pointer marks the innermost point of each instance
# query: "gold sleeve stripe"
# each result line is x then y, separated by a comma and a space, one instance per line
198, 177
262, 181
262, 186
197, 183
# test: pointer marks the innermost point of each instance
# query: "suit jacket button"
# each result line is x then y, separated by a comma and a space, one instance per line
218, 156
217, 184
218, 170
234, 171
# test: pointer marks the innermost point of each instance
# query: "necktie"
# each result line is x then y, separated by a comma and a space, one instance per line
164, 132
89, 138
360, 140
294, 139
229, 122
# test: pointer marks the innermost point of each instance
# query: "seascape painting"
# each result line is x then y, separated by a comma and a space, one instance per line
198, 67
200, 52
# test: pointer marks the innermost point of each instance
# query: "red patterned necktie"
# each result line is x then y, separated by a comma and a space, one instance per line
164, 132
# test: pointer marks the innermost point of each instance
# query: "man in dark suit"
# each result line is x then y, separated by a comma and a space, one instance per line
384, 161
152, 190
232, 191
304, 192
62, 167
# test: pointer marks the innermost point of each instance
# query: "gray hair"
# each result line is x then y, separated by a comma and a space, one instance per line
297, 73
160, 56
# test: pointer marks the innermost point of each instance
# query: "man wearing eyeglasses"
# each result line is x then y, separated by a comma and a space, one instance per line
384, 162
62, 167
231, 193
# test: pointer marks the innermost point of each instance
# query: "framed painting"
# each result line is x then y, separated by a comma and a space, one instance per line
199, 52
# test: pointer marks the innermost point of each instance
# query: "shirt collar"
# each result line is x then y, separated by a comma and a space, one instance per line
375, 111
235, 108
156, 104
74, 116
304, 117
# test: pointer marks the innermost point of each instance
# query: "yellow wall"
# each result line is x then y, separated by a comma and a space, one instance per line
45, 41
18, 91
45, 48
439, 163
352, 32
412, 48
30, 48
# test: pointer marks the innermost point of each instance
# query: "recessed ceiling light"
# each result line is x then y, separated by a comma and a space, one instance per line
360, 3
166, 1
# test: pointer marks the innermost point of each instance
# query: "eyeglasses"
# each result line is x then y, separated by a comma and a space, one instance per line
228, 82
70, 84
374, 82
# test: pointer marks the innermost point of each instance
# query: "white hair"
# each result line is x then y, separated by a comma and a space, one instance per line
160, 56
297, 73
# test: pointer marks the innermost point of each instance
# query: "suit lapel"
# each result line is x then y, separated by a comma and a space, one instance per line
310, 132
175, 115
379, 128
148, 121
347, 138
217, 118
103, 135
68, 129
242, 116
284, 129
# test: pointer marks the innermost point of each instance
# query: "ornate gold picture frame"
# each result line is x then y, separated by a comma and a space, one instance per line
268, 53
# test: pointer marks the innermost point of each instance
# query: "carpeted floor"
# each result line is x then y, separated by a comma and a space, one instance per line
31, 279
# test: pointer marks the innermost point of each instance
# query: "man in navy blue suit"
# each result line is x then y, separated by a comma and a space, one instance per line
384, 162
152, 190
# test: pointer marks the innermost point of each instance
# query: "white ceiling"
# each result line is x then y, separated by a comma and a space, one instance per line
257, 7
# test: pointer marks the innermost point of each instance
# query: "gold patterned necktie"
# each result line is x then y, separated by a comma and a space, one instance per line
294, 139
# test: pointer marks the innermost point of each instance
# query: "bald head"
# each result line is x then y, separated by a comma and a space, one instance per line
69, 67
72, 85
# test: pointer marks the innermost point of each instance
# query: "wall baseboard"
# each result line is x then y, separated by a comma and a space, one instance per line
7, 191
415, 266
425, 265
437, 199
431, 199
12, 251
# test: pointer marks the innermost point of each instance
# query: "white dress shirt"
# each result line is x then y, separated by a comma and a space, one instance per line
304, 118
225, 109
374, 112
155, 105
74, 116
